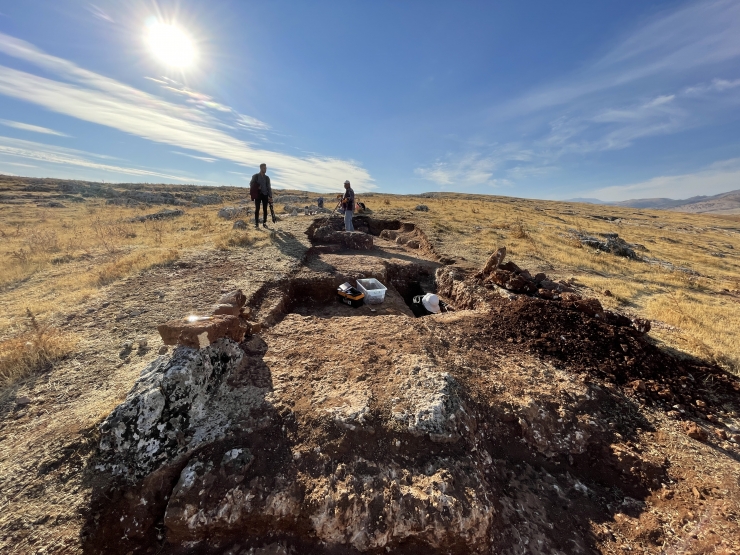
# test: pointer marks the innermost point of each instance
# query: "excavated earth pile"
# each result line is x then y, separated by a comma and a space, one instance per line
519, 423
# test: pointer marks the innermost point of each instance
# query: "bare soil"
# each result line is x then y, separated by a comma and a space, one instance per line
638, 484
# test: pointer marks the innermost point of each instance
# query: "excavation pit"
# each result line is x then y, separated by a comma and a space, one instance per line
313, 291
318, 297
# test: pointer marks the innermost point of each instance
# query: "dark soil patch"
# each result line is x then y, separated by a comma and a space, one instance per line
616, 354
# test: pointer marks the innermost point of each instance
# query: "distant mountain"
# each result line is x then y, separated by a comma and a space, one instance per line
724, 203
657, 203
586, 200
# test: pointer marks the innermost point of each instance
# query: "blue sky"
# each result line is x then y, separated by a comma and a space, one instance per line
609, 99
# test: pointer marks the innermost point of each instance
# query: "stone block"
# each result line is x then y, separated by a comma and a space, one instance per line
203, 331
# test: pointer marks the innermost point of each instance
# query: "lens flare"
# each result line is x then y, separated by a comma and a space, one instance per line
171, 45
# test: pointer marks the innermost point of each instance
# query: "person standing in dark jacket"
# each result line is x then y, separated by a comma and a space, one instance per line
348, 204
261, 192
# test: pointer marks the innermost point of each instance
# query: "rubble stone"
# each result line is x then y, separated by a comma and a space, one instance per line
694, 431
495, 260
611, 243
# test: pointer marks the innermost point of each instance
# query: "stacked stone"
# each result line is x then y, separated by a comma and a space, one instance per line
229, 318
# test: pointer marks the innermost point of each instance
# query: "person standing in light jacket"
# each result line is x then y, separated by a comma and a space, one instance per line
261, 192
348, 203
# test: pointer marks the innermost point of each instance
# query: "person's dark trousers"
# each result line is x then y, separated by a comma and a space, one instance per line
260, 199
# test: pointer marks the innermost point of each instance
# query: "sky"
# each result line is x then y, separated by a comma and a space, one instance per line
539, 99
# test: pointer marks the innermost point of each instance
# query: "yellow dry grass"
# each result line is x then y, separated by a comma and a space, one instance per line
32, 350
56, 259
695, 313
53, 260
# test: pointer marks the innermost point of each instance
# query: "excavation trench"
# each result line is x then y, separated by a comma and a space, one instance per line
313, 290
315, 294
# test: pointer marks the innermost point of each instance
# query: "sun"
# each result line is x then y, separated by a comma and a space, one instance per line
170, 45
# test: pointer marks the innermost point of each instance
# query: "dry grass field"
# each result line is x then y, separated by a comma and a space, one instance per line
57, 259
82, 286
690, 290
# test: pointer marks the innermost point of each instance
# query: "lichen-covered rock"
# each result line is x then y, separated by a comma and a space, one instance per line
428, 403
207, 199
177, 405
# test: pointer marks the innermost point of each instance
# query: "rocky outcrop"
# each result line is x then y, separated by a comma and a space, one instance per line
161, 215
609, 242
208, 199
202, 445
234, 212
178, 404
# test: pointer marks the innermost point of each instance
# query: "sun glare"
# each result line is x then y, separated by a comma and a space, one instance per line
171, 45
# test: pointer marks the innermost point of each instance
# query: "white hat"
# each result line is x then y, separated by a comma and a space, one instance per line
431, 302
346, 181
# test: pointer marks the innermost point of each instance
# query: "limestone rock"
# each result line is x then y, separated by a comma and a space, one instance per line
495, 260
228, 309
553, 430
207, 199
232, 212
236, 298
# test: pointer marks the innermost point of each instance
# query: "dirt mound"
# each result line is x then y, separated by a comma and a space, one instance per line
576, 332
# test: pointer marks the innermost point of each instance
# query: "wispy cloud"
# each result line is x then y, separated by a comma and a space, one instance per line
457, 173
33, 128
92, 97
717, 178
99, 13
70, 157
6, 163
208, 103
717, 85
697, 35
202, 158
636, 91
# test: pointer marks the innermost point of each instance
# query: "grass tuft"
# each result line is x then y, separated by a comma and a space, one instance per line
32, 351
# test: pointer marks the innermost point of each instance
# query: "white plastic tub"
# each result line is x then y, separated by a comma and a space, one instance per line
373, 289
